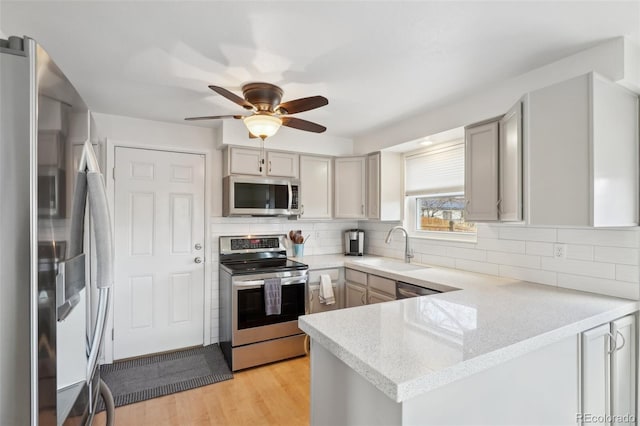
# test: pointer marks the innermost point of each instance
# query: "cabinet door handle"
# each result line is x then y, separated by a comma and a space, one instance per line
362, 208
466, 211
616, 341
613, 342
499, 206
301, 209
269, 166
364, 302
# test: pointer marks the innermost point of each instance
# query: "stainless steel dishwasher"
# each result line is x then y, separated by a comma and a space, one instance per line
406, 290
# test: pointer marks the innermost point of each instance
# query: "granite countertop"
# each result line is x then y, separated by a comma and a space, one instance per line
411, 346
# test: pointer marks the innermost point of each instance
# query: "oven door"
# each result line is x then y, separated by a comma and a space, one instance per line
251, 324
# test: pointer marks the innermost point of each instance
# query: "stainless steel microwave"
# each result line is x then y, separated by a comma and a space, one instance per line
260, 196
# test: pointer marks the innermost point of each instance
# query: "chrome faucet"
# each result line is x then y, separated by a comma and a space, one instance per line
408, 253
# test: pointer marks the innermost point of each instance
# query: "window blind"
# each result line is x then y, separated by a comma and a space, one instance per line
437, 171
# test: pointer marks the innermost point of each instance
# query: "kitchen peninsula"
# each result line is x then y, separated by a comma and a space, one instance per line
478, 355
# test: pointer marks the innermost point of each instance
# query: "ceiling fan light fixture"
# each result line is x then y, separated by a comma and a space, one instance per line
262, 125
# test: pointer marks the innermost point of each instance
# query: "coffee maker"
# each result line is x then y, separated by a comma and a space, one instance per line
354, 242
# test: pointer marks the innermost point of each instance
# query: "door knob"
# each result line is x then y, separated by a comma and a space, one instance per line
198, 260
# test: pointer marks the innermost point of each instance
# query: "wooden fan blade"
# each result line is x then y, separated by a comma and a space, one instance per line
303, 104
214, 117
232, 97
300, 124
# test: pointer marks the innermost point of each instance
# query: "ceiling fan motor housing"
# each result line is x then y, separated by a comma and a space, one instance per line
265, 96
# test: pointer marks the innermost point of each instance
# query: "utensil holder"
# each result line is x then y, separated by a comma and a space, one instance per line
298, 250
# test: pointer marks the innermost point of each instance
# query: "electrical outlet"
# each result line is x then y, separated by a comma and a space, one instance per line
560, 251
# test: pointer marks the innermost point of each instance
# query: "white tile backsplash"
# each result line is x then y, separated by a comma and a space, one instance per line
617, 255
600, 237
598, 260
539, 249
580, 267
480, 267
579, 252
513, 259
627, 273
598, 285
466, 253
527, 234
508, 246
527, 274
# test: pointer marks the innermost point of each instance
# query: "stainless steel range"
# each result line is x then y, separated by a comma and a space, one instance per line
248, 336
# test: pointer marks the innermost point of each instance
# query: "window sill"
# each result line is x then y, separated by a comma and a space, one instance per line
452, 237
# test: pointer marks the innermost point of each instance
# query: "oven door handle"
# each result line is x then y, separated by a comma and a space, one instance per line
290, 189
260, 283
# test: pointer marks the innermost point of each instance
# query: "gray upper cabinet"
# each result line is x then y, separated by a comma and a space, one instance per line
282, 164
350, 187
493, 168
510, 165
316, 187
481, 172
252, 161
384, 186
582, 148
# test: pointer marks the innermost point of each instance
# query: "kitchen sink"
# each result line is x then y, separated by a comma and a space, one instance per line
391, 265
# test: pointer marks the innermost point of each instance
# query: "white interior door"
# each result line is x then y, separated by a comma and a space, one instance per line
159, 251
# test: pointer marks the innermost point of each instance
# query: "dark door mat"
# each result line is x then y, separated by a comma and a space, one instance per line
159, 375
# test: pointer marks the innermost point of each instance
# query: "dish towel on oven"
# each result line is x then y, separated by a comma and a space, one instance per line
273, 296
326, 290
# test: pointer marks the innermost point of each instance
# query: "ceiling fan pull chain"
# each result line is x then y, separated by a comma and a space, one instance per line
262, 154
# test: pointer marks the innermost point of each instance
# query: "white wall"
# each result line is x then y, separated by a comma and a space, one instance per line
120, 130
234, 132
616, 59
602, 261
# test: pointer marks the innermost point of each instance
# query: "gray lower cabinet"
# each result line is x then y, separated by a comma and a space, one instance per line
355, 288
609, 371
377, 297
356, 295
362, 289
337, 281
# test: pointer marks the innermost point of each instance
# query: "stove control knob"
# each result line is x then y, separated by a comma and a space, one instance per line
198, 260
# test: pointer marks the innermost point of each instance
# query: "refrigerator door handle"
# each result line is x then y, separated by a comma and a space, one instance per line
104, 250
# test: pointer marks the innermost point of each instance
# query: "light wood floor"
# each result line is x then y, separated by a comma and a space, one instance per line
275, 394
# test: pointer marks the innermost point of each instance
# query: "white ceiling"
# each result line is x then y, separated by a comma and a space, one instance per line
375, 61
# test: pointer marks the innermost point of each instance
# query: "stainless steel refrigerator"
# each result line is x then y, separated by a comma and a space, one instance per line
55, 250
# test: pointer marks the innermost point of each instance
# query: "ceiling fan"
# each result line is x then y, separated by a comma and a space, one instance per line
268, 113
